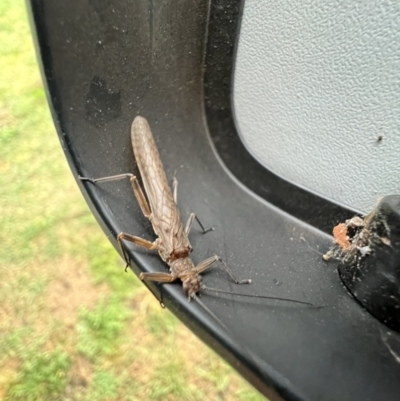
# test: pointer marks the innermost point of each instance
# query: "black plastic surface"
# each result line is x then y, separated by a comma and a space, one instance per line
105, 62
223, 30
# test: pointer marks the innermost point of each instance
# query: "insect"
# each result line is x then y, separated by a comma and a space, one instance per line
161, 209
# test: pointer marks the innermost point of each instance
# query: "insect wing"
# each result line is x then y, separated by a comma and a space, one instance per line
165, 218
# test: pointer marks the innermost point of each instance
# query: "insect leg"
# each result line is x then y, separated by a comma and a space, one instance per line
190, 222
159, 277
136, 240
140, 197
144, 206
104, 179
205, 264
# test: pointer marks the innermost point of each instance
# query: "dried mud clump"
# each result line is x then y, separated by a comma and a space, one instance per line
368, 249
357, 237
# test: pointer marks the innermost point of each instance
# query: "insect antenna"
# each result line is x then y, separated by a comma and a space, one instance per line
246, 351
206, 288
213, 315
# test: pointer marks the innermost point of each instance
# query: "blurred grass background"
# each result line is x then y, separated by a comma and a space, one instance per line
73, 325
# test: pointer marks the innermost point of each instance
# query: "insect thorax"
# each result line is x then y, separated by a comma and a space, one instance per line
182, 267
186, 271
180, 253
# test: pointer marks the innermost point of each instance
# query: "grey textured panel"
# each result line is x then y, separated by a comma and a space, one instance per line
315, 88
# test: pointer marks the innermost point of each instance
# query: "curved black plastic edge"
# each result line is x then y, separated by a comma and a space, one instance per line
172, 297
90, 60
223, 33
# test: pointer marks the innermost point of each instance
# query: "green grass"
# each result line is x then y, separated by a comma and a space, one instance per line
99, 329
105, 386
73, 325
41, 376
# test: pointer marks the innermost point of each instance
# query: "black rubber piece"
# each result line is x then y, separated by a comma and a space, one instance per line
374, 279
104, 62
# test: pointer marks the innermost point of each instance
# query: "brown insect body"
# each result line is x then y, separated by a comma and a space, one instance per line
172, 242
